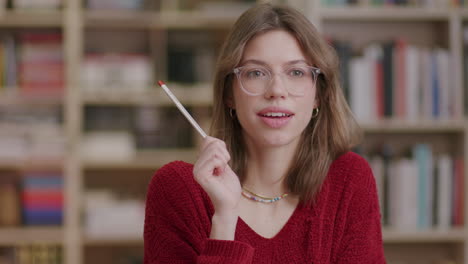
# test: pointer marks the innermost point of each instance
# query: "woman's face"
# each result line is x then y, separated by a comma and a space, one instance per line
273, 113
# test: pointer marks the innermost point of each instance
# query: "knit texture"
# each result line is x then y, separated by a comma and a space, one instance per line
342, 227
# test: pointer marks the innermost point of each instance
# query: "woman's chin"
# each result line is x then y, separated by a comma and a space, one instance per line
273, 141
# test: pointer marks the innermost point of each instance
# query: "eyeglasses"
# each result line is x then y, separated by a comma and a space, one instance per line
255, 79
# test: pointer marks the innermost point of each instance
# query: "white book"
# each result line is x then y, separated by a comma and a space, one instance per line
403, 186
413, 80
372, 53
444, 189
442, 60
359, 88
426, 84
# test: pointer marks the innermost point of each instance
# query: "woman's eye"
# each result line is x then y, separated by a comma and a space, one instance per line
296, 73
255, 74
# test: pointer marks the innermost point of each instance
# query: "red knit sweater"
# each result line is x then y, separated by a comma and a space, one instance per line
342, 227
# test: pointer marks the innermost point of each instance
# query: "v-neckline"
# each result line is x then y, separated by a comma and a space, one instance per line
283, 229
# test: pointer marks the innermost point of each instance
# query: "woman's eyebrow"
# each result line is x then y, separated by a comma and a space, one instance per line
253, 61
259, 62
293, 62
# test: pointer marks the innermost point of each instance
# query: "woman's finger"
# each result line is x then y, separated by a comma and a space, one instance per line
207, 169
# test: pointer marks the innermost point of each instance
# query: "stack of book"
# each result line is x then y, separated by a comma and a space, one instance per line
421, 3
419, 190
190, 62
36, 4
116, 4
42, 198
127, 216
40, 62
119, 71
32, 254
162, 128
400, 81
31, 133
150, 127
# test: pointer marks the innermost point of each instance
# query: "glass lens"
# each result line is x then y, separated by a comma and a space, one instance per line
255, 79
299, 79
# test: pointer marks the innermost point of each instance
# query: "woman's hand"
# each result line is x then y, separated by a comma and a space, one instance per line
215, 176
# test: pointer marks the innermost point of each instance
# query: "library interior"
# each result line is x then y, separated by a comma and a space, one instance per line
84, 126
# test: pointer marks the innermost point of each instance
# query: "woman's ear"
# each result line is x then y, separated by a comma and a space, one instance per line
316, 103
230, 102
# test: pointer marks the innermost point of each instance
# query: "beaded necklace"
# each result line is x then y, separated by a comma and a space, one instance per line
262, 199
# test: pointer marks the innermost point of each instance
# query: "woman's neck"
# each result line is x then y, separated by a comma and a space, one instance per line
267, 168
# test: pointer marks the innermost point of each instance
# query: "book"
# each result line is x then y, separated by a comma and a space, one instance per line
36, 4
398, 80
9, 200
108, 72
190, 62
40, 64
42, 198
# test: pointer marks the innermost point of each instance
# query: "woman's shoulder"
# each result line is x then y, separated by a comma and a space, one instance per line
175, 171
351, 168
174, 183
175, 175
174, 199
349, 182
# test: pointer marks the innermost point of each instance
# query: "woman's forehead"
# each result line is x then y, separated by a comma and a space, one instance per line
276, 47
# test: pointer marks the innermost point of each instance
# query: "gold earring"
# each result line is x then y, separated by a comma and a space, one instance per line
315, 113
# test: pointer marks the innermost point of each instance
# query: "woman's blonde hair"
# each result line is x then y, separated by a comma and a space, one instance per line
333, 132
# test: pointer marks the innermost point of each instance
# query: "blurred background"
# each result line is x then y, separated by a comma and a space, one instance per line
83, 127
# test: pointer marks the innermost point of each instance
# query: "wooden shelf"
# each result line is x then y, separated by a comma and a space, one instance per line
14, 98
22, 235
39, 18
397, 126
196, 19
432, 236
190, 95
155, 20
432, 26
144, 160
122, 19
384, 14
32, 164
117, 241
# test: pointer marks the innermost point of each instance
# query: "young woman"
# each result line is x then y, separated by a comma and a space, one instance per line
277, 182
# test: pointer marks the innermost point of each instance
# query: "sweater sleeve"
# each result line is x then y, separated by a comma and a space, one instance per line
178, 224
362, 238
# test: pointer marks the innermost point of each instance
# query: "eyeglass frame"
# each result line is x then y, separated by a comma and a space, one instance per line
237, 72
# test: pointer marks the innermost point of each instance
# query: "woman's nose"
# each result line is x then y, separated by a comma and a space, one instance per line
277, 87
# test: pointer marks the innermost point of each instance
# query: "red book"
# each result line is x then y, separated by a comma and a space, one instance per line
380, 90
40, 38
43, 197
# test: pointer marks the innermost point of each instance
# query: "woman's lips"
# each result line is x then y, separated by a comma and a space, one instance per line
275, 122
275, 117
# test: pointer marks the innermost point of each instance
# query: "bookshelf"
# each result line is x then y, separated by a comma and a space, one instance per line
25, 235
151, 32
20, 19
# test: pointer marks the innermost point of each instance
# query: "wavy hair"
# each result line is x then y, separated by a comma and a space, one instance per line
333, 132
